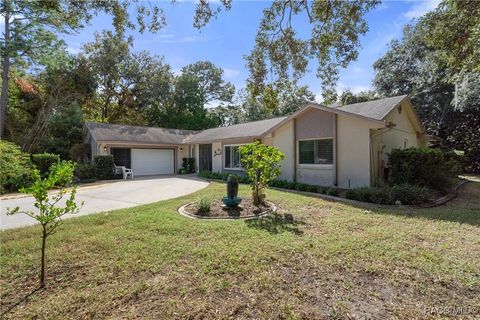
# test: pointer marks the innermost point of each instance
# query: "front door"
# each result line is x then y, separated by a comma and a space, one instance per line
205, 157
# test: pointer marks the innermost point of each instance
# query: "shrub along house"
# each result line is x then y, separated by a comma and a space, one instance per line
345, 146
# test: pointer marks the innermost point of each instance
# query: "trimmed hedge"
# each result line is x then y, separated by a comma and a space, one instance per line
422, 166
405, 193
331, 191
222, 176
283, 184
44, 161
85, 171
15, 168
104, 167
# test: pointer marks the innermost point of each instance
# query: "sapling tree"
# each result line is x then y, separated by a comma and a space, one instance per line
262, 165
48, 211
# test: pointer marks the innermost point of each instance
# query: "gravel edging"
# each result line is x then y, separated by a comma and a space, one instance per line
183, 212
440, 201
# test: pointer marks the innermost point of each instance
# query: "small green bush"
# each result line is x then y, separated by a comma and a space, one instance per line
104, 167
360, 194
85, 171
381, 195
405, 193
15, 168
332, 191
302, 186
44, 161
424, 167
63, 173
188, 164
408, 194
221, 176
203, 205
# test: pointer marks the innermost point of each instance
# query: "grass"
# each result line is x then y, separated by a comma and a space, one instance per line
314, 259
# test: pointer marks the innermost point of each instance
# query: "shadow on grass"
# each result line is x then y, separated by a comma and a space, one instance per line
276, 223
25, 298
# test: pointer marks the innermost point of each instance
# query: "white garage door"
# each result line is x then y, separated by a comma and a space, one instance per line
152, 161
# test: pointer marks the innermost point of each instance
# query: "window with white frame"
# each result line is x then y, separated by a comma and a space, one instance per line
315, 151
232, 157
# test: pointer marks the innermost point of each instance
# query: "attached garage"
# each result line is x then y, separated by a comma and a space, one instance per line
152, 161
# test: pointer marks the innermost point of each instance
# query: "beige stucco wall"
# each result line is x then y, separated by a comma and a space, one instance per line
268, 140
196, 155
321, 175
315, 124
283, 139
183, 153
217, 158
402, 135
353, 151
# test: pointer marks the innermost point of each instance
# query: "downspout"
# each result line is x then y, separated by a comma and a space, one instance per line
294, 149
335, 156
389, 126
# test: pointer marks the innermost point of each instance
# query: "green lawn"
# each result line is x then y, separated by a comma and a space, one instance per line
315, 259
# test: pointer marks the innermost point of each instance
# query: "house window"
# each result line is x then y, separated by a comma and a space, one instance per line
232, 157
316, 151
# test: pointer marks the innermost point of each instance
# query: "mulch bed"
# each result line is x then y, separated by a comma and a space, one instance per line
219, 210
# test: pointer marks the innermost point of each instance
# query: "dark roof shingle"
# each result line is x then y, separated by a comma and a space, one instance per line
243, 130
125, 133
375, 109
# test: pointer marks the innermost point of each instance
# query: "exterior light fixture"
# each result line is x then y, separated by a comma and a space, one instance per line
181, 149
105, 149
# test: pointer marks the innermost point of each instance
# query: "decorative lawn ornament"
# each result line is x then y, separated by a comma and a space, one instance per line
231, 200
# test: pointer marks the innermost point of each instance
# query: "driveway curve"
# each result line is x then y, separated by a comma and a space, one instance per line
111, 195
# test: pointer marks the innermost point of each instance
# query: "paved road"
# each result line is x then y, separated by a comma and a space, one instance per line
112, 195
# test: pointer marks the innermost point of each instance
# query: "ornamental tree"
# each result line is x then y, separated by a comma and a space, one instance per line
48, 214
262, 165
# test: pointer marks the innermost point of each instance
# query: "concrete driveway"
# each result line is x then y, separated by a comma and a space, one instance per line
110, 195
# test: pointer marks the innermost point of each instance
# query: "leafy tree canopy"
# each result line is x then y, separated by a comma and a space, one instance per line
30, 29
348, 97
447, 102
283, 49
453, 30
210, 82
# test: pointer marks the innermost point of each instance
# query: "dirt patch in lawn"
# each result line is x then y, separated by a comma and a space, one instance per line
219, 211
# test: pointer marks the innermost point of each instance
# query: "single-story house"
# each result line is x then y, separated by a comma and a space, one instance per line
344, 146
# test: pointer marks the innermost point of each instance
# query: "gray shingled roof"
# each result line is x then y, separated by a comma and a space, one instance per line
115, 132
244, 130
376, 109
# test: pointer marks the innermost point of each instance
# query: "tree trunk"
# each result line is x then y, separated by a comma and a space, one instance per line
5, 70
42, 270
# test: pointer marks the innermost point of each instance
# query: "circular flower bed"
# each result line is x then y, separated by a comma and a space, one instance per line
246, 210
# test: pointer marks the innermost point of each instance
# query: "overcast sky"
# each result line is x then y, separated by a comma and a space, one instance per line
227, 39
